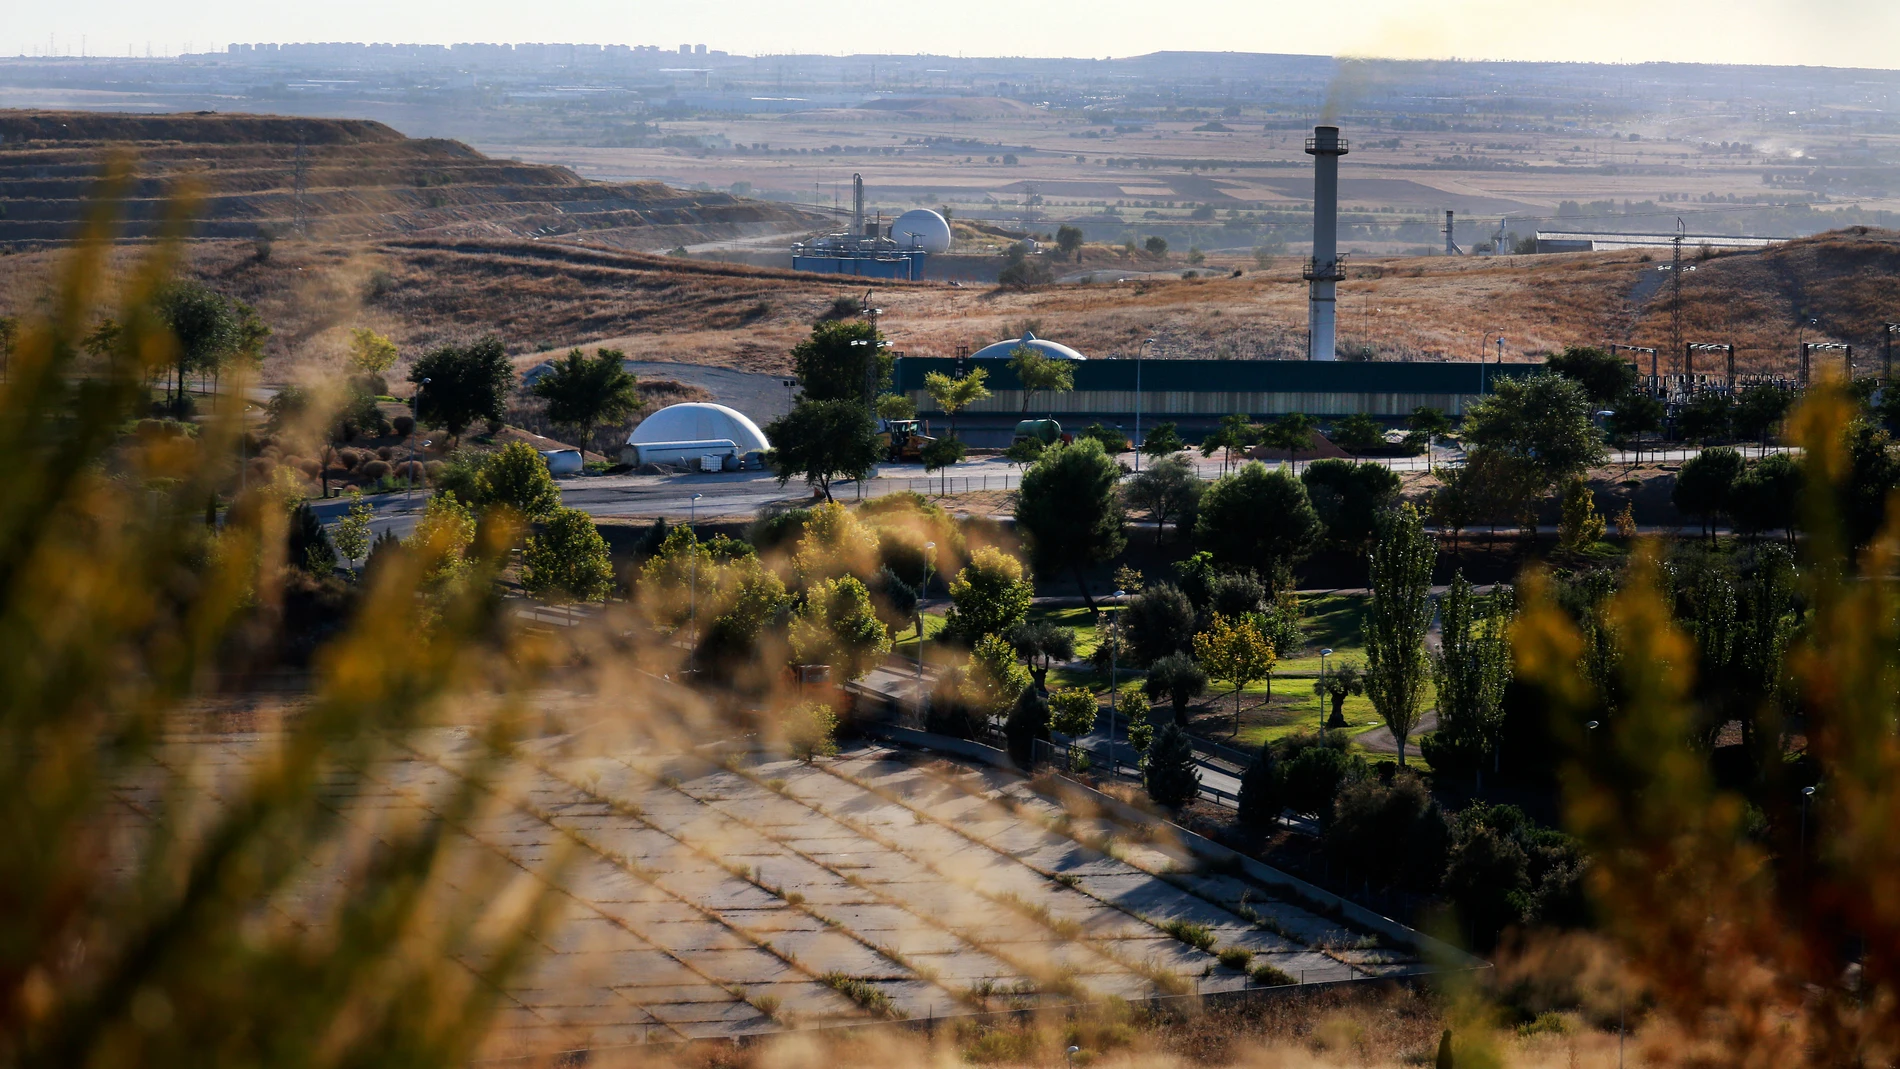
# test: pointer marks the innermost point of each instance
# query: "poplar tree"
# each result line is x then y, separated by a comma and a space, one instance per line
1401, 610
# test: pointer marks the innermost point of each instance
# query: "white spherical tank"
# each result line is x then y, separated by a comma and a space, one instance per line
921, 228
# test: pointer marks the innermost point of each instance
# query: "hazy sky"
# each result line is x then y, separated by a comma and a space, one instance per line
1817, 32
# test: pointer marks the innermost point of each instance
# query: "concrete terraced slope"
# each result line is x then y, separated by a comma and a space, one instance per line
337, 179
705, 902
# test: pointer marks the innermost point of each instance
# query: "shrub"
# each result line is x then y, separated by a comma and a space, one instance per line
1198, 936
809, 730
1236, 957
374, 470
1270, 976
1389, 835
1313, 774
404, 426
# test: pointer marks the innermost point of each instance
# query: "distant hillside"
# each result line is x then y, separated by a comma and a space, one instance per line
338, 179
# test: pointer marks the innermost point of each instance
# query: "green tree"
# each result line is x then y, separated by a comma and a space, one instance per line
458, 385
1580, 525
1543, 421
1257, 518
1258, 805
1359, 433
1705, 487
1180, 679
1164, 441
517, 477
566, 559
370, 352
993, 681
1706, 418
584, 392
1767, 494
1426, 425
1235, 434
1070, 510
309, 547
1636, 416
1472, 668
837, 624
1038, 373
1236, 653
953, 395
352, 531
1072, 712
894, 406
1396, 621
205, 328
989, 596
1156, 622
940, 454
1156, 246
1604, 376
843, 360
1760, 412
1168, 489
822, 441
1172, 779
1069, 240
1292, 432
1351, 500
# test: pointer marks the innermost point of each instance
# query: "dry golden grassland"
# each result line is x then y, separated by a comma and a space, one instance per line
423, 292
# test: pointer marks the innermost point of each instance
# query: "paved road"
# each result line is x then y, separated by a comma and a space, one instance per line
721, 494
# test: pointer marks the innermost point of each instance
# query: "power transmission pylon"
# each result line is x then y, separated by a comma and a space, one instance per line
1675, 301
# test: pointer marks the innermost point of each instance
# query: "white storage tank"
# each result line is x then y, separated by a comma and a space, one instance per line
921, 228
563, 461
682, 434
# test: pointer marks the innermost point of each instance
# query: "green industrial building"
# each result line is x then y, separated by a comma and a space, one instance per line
1196, 393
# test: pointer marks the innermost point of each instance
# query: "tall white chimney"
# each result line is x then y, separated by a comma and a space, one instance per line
1323, 270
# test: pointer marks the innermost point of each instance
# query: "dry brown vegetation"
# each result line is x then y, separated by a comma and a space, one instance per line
542, 297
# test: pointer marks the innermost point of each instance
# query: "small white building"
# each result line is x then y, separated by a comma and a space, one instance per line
681, 434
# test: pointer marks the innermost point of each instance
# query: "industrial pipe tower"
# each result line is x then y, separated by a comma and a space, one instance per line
1323, 271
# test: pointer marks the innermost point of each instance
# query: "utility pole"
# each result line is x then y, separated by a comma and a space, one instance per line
1675, 299
300, 219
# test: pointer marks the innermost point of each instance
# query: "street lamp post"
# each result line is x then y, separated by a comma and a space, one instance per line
923, 594
1142, 350
1806, 794
1114, 655
692, 524
1500, 349
1591, 727
415, 408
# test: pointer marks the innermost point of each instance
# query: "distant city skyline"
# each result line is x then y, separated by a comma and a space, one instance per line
1835, 33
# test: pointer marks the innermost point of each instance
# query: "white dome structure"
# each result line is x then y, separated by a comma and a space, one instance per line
1002, 349
921, 228
680, 433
